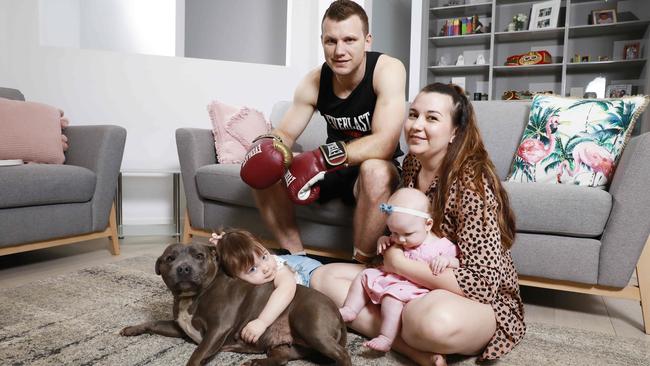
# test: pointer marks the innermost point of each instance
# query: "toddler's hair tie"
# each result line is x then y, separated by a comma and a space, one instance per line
389, 209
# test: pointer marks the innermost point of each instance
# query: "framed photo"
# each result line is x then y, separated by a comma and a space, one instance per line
618, 91
628, 49
544, 15
606, 16
585, 59
632, 51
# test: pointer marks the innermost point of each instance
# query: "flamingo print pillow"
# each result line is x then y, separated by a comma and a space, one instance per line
575, 141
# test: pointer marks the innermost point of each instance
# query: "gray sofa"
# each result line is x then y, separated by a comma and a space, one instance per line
569, 237
44, 205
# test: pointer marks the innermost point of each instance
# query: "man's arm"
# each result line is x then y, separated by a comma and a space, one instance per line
299, 114
389, 82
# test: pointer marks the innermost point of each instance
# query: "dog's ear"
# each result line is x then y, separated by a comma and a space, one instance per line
212, 249
158, 261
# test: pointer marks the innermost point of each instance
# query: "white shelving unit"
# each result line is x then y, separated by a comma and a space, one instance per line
574, 35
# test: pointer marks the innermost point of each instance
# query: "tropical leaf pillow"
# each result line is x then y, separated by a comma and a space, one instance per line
575, 141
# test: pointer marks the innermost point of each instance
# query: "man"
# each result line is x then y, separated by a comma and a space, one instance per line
361, 95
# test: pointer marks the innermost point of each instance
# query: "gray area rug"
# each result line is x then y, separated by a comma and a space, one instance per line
74, 319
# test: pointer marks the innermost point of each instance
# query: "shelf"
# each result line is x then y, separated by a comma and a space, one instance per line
464, 40
455, 70
597, 66
598, 30
527, 69
506, 2
530, 35
572, 35
461, 10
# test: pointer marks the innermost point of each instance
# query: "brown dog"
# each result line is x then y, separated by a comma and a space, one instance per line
212, 308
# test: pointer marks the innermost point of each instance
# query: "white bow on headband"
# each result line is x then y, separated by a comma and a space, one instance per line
389, 209
214, 239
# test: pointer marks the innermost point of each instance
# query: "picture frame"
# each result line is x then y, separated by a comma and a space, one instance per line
628, 49
544, 15
632, 51
605, 16
585, 59
618, 90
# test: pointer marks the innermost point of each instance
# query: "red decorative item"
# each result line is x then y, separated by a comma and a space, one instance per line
530, 58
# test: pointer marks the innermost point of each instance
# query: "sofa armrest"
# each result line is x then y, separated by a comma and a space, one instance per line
195, 149
628, 227
99, 148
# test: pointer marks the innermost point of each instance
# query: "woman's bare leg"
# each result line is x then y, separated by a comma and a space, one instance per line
447, 323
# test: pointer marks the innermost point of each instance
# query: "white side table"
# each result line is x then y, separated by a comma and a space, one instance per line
176, 196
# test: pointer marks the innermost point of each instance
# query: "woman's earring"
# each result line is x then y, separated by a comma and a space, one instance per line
451, 139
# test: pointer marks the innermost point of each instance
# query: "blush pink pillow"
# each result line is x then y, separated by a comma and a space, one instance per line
234, 129
32, 132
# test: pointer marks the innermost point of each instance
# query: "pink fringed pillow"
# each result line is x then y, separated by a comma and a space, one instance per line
32, 132
234, 129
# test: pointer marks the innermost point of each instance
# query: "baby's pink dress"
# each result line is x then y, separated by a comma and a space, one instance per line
378, 283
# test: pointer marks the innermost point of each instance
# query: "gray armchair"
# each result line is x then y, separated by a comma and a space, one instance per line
45, 205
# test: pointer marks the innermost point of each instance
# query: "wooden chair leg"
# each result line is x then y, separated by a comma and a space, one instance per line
643, 277
114, 247
187, 228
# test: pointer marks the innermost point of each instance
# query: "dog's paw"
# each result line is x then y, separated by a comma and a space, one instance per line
131, 331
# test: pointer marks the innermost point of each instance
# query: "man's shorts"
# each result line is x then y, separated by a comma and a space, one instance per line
340, 184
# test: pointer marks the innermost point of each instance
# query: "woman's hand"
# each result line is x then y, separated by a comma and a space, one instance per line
393, 259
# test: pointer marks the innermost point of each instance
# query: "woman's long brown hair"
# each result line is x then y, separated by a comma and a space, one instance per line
466, 154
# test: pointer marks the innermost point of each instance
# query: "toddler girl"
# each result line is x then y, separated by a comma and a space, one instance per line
241, 255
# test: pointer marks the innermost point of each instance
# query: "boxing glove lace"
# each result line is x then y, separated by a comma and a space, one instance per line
265, 162
309, 168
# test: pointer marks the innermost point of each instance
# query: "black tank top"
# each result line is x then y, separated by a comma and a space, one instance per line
349, 118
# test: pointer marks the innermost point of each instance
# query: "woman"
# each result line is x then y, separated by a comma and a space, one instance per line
473, 309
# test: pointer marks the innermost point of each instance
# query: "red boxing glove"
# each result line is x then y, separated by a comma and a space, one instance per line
310, 167
265, 162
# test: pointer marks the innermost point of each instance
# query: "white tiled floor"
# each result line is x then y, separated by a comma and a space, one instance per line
612, 316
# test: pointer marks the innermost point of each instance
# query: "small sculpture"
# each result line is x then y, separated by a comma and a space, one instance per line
460, 61
443, 61
480, 59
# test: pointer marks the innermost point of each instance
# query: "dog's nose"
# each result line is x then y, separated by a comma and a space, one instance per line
184, 270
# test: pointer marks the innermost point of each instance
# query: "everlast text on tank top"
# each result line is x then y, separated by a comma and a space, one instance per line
349, 118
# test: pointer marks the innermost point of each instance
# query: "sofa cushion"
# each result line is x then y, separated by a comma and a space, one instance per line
44, 184
501, 124
32, 132
559, 209
557, 257
234, 129
221, 182
575, 141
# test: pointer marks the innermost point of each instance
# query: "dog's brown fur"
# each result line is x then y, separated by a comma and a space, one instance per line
212, 308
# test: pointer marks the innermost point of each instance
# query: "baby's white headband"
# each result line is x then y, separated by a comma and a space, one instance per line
389, 209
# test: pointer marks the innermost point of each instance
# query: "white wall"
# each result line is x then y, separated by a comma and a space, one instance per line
236, 31
60, 26
137, 26
151, 96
